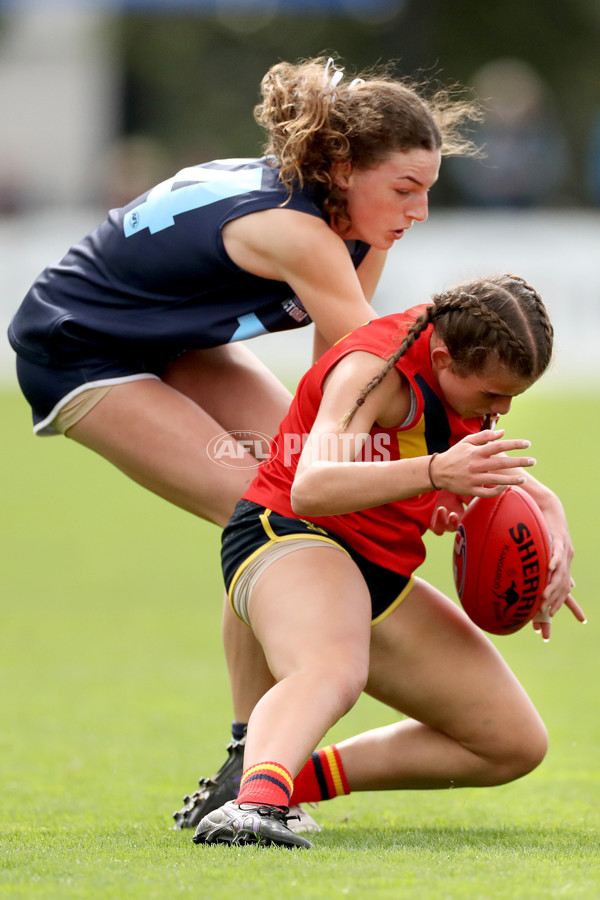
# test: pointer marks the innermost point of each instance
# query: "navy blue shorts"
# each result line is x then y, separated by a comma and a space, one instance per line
253, 528
47, 388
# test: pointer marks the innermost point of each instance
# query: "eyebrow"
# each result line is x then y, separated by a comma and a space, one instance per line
414, 180
409, 178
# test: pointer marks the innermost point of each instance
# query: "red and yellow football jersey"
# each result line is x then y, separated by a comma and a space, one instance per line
389, 535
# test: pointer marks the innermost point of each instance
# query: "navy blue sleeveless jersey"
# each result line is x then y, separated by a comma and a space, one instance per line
154, 278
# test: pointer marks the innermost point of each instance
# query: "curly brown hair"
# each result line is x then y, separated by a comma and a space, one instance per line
312, 123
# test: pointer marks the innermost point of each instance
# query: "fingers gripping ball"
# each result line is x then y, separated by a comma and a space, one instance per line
500, 560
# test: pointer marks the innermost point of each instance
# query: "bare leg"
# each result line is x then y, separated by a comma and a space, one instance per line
158, 437
232, 386
157, 433
249, 674
471, 722
256, 402
311, 612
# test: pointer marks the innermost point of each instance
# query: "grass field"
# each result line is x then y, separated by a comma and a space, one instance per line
114, 700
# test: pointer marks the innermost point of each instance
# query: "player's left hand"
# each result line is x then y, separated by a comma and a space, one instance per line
560, 585
542, 621
446, 515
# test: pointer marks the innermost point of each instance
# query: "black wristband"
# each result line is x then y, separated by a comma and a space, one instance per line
433, 484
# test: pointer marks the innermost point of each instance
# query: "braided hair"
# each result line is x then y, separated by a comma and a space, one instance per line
500, 315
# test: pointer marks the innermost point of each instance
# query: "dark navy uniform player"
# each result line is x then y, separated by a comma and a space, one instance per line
131, 344
152, 281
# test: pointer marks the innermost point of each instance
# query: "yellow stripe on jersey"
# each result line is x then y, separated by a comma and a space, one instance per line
344, 336
412, 443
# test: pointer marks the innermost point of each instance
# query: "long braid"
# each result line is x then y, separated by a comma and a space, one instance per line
518, 331
442, 303
415, 330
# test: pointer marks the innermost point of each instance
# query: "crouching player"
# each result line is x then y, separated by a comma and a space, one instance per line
320, 557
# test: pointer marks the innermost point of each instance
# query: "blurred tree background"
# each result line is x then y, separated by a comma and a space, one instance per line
189, 81
102, 98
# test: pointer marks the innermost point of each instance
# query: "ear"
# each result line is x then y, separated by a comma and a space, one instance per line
340, 172
440, 358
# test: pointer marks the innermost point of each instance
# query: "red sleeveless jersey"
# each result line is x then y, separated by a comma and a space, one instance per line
389, 535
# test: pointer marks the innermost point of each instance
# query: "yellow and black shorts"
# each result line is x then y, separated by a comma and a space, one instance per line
255, 536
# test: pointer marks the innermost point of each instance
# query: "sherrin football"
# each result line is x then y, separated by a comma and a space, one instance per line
500, 560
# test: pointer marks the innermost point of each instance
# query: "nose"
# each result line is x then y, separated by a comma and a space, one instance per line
419, 208
501, 406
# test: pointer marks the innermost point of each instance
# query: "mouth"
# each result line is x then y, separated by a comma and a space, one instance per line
398, 233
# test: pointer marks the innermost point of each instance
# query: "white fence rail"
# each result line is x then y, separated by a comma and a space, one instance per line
557, 251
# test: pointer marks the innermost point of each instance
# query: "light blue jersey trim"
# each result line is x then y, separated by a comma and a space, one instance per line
209, 186
250, 326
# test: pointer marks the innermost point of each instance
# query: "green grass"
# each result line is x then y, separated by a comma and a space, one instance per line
114, 700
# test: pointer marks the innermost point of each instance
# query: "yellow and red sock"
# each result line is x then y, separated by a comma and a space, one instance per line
266, 782
322, 778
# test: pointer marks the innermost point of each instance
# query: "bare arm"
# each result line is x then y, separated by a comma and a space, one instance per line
329, 482
369, 273
302, 250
